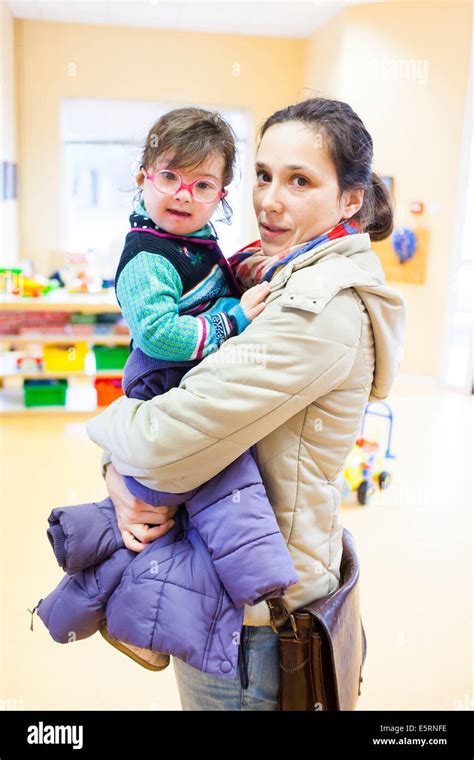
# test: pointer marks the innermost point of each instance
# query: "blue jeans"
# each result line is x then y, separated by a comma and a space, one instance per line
203, 691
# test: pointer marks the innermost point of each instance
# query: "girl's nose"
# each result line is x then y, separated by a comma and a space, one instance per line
184, 194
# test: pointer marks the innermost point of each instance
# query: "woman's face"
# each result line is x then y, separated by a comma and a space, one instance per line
296, 192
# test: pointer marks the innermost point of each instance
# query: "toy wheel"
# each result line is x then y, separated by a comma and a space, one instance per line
384, 480
364, 492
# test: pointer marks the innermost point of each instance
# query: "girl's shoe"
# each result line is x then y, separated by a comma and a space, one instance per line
145, 657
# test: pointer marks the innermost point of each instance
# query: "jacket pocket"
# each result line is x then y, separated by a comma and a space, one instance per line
306, 302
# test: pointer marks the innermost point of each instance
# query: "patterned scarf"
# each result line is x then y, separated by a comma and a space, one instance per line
252, 266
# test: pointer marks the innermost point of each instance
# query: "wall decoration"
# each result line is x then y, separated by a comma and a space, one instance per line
404, 243
409, 262
417, 207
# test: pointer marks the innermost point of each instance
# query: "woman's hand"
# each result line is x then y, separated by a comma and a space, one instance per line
134, 516
252, 301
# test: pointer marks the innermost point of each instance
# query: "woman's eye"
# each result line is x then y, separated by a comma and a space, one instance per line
262, 177
300, 181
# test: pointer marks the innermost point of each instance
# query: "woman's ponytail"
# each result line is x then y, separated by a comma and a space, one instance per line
376, 213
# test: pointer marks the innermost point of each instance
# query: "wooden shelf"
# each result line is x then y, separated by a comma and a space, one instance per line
82, 401
61, 300
44, 375
8, 369
81, 396
106, 340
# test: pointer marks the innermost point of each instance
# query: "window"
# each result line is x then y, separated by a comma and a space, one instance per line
457, 369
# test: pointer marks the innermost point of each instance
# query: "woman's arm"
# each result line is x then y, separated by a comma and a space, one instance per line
287, 357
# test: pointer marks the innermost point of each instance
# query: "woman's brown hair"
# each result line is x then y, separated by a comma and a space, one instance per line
350, 146
188, 136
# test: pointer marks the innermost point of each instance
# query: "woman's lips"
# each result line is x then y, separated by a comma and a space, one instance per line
271, 231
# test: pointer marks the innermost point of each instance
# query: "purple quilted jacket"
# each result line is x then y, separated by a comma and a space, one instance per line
185, 593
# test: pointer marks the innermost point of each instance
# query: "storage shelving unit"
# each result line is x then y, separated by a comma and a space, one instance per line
81, 394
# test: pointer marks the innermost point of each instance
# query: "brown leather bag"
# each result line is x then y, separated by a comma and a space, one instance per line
323, 645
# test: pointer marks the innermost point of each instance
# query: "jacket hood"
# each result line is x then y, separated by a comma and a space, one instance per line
349, 262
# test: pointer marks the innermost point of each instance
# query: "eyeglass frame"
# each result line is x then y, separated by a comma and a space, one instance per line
151, 177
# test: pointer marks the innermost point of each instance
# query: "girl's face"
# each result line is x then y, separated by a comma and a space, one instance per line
296, 191
180, 214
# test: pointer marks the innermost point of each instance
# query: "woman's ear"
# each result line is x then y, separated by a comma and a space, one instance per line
352, 202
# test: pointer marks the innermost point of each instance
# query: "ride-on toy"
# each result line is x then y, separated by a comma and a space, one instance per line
365, 464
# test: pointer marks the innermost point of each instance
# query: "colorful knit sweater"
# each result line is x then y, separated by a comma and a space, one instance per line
178, 294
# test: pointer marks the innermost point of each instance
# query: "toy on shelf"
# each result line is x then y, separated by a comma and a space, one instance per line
38, 285
29, 362
14, 283
11, 279
81, 273
365, 464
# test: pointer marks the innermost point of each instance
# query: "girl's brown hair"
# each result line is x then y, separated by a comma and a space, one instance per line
350, 146
188, 136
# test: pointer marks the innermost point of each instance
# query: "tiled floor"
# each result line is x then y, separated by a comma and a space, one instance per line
414, 542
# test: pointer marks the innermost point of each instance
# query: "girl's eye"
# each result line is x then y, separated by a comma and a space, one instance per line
300, 181
203, 185
262, 176
171, 176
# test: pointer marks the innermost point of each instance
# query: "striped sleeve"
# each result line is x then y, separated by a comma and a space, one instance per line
149, 289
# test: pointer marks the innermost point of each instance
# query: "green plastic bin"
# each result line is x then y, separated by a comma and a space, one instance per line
110, 357
83, 319
45, 392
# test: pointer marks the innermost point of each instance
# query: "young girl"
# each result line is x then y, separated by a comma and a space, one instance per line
181, 301
176, 290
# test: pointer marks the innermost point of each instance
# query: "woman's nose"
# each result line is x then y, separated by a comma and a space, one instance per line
271, 199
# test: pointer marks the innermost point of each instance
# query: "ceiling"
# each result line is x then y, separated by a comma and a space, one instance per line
275, 18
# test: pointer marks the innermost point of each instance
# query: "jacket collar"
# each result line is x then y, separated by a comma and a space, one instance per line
350, 263
342, 247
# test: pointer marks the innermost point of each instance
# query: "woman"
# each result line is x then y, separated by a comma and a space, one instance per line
295, 383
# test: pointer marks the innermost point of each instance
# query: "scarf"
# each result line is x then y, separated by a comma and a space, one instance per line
253, 266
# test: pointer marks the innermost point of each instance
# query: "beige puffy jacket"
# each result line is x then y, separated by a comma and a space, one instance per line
296, 381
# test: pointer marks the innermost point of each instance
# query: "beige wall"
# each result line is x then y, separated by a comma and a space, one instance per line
416, 127
8, 147
129, 63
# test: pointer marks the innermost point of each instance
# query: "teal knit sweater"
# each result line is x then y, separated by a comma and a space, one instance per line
165, 322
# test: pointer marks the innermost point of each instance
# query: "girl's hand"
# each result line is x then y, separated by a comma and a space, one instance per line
134, 516
251, 301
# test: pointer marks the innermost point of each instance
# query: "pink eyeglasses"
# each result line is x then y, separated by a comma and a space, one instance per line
170, 182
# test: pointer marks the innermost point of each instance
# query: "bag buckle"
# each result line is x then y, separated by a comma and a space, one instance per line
278, 609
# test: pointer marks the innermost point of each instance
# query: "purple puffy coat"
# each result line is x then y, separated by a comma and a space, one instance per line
185, 593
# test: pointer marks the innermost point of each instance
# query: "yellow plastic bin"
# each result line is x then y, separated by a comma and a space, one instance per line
62, 357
